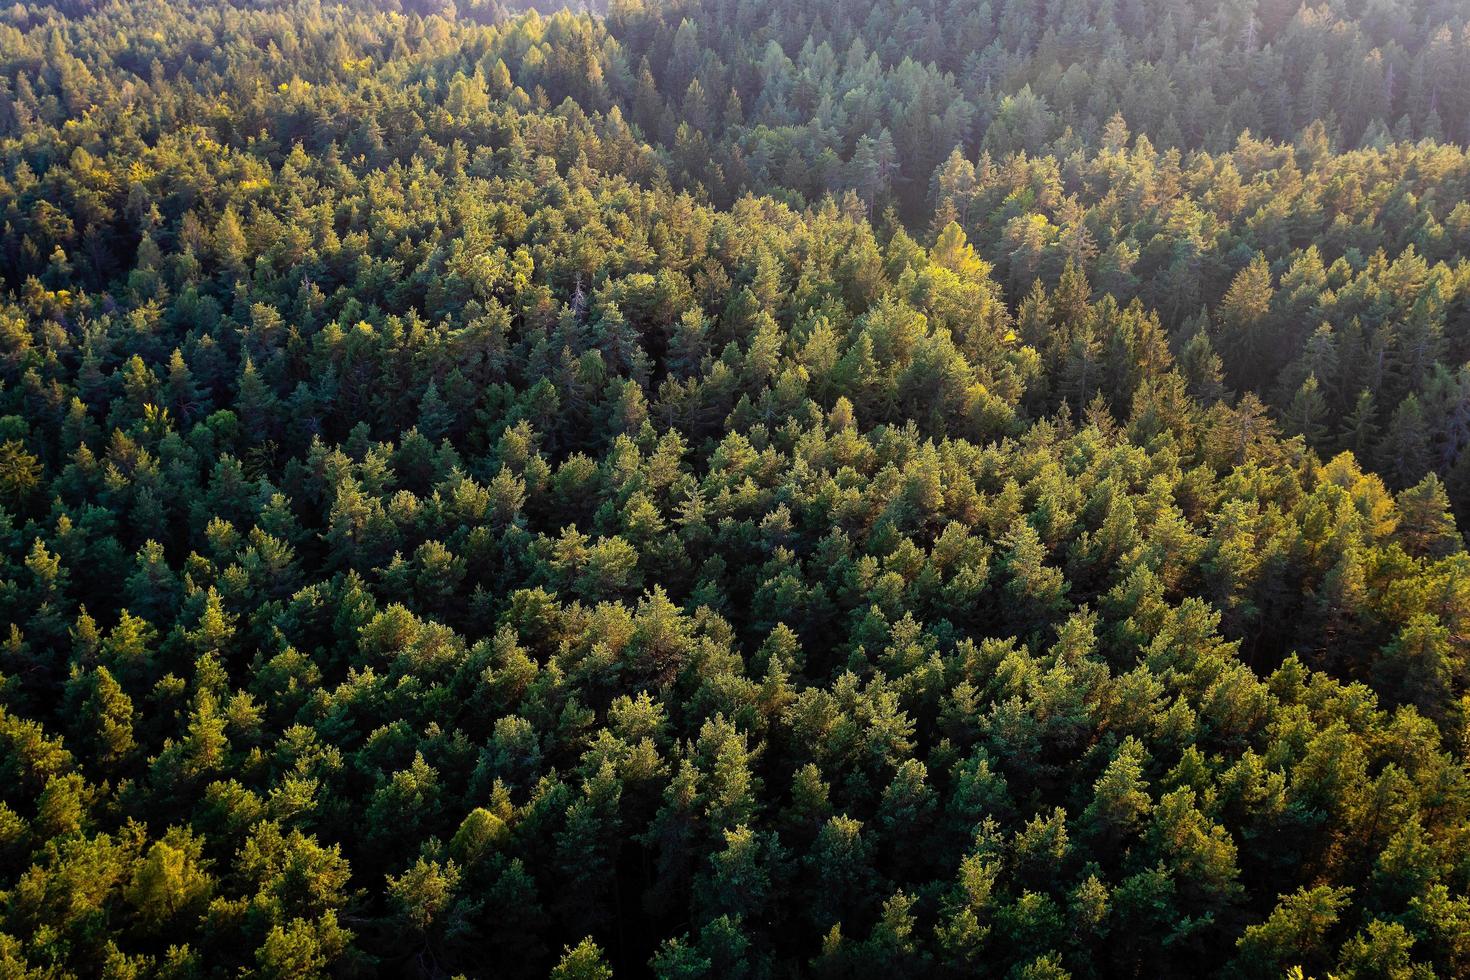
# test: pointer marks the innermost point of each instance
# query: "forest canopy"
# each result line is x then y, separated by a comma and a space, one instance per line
735, 488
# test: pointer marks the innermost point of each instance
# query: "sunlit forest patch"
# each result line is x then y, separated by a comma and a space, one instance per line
734, 488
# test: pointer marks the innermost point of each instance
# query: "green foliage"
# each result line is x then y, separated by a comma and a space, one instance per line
734, 490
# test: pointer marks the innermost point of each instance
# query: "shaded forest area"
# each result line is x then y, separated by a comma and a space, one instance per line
735, 488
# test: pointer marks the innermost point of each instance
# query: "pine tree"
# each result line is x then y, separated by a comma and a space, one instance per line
257, 404
20, 473
436, 419
584, 962
1359, 430
1202, 367
1404, 448
1307, 413
229, 243
1426, 526
1245, 324
1120, 796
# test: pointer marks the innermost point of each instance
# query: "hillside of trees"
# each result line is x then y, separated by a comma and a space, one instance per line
735, 489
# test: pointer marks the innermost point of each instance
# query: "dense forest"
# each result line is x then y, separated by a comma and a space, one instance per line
735, 488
